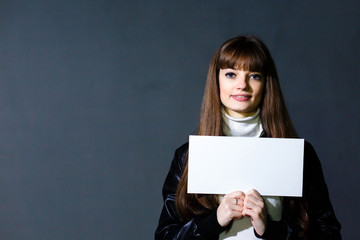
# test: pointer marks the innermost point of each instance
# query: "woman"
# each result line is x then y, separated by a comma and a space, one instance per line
243, 98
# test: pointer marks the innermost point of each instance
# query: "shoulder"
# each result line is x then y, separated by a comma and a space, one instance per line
180, 154
175, 171
310, 156
313, 173
183, 149
308, 147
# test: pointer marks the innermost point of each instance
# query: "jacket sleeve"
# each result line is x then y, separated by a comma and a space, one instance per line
170, 224
323, 222
276, 230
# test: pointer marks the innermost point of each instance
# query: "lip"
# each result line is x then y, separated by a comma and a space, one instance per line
241, 97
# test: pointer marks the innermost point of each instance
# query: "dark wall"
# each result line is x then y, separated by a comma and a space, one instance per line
96, 95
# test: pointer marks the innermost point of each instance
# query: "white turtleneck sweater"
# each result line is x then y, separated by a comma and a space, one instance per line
251, 126
242, 127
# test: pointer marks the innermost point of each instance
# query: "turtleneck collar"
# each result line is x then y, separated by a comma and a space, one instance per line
242, 127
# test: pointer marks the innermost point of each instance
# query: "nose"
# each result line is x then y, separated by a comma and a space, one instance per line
242, 82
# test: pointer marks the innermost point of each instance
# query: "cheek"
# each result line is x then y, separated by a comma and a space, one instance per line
259, 91
224, 93
223, 87
222, 97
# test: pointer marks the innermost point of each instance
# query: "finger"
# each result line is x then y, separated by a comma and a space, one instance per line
254, 207
228, 209
258, 221
254, 193
257, 207
254, 200
247, 212
238, 201
254, 212
236, 208
250, 213
235, 198
236, 194
230, 203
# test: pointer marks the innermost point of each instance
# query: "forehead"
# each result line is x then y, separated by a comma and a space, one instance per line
239, 70
241, 60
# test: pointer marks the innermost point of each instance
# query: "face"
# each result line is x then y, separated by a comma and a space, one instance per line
240, 91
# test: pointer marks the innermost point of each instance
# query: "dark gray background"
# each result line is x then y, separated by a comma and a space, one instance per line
96, 95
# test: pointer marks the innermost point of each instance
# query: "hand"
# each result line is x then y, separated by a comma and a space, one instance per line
254, 207
231, 207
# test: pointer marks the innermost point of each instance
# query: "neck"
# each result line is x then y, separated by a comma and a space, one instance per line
249, 126
239, 115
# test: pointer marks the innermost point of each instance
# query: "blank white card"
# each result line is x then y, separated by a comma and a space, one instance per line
220, 165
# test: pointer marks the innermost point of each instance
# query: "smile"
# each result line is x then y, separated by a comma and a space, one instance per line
242, 97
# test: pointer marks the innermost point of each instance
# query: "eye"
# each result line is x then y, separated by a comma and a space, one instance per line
230, 75
256, 76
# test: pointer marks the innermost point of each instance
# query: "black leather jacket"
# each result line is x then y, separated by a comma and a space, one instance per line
323, 222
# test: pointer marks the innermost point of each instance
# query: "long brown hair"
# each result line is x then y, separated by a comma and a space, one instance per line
246, 53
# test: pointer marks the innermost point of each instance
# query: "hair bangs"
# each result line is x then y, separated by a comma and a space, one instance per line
247, 57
